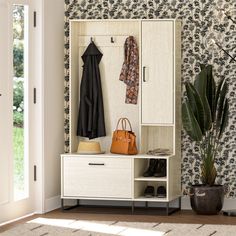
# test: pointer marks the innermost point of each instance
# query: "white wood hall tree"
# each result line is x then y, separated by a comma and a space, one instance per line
156, 119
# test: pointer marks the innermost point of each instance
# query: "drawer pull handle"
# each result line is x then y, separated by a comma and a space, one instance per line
96, 164
144, 74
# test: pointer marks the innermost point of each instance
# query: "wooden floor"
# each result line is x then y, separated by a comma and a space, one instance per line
120, 214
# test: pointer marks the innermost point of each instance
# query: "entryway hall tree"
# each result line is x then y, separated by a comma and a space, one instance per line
156, 119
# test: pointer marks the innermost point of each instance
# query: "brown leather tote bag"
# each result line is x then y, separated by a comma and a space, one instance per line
124, 141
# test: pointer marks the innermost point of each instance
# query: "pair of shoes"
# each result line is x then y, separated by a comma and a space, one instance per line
157, 168
161, 192
150, 192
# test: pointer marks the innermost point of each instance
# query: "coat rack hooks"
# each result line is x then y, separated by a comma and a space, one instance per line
112, 40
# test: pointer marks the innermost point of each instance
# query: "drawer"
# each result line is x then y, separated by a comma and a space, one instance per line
97, 177
96, 162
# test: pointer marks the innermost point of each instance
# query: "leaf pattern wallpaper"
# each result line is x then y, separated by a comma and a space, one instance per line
199, 18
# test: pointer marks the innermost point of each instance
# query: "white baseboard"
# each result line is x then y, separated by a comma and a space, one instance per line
19, 218
55, 203
229, 204
52, 203
185, 203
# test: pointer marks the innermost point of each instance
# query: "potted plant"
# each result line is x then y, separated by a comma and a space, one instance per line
205, 113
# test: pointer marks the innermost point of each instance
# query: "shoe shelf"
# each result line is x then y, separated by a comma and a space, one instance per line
140, 188
142, 165
159, 179
151, 199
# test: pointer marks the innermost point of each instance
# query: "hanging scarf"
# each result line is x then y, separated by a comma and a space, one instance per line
130, 70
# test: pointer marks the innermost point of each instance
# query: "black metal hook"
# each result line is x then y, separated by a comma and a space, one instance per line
112, 40
91, 39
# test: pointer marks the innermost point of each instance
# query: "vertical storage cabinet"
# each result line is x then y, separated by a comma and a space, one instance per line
160, 105
157, 58
156, 119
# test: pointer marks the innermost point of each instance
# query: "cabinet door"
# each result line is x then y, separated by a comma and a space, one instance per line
97, 177
157, 72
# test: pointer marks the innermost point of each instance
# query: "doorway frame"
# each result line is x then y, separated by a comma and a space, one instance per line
36, 116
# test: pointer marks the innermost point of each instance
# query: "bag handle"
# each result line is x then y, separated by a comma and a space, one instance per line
127, 120
123, 123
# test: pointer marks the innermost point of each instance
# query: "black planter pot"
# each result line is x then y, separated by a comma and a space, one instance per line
207, 200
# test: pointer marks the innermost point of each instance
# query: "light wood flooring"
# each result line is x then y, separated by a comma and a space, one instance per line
120, 214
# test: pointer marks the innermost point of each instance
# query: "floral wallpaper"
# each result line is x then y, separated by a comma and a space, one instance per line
199, 17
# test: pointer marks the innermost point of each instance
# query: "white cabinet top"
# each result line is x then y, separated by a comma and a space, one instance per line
108, 155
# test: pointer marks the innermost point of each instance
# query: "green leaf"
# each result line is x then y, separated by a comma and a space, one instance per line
225, 118
202, 66
221, 82
201, 84
211, 91
220, 105
206, 105
190, 123
196, 105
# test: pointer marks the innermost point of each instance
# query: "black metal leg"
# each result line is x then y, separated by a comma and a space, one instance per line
167, 208
62, 204
179, 203
172, 210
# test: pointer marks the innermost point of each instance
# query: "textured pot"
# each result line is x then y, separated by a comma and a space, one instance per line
207, 200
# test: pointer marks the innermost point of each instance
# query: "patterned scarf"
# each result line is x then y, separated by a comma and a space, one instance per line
130, 70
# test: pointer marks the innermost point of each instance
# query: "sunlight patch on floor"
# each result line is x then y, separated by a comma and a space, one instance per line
98, 227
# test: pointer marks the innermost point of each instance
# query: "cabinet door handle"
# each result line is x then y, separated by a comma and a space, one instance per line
96, 164
144, 73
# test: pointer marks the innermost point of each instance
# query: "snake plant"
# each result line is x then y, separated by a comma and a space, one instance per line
205, 113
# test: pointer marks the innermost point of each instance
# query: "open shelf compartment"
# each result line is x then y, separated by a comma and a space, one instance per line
142, 164
140, 186
153, 137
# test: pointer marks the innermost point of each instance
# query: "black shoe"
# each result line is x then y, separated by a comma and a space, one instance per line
161, 192
160, 170
151, 168
149, 192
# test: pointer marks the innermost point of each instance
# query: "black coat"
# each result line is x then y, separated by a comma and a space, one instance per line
91, 112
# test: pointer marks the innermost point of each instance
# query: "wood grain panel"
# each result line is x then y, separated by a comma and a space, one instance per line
157, 80
110, 68
97, 177
157, 137
74, 87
